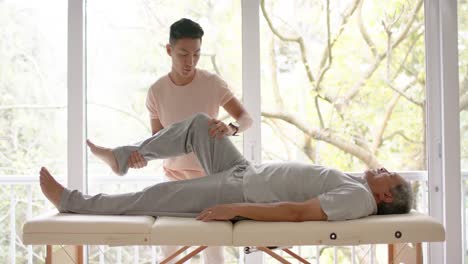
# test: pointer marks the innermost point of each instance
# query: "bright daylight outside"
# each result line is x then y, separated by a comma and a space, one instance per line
342, 85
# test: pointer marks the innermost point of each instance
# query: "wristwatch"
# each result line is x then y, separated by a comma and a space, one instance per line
234, 125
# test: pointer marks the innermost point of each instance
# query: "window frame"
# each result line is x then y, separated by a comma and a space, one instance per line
443, 127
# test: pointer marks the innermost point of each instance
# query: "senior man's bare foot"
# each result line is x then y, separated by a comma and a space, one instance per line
50, 187
105, 154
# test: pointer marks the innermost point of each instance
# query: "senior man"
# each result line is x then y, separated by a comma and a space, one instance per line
287, 191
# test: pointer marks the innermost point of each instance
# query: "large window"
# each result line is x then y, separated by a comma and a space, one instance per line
33, 111
343, 85
126, 54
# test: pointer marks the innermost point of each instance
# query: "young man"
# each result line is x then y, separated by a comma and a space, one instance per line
187, 90
184, 91
235, 188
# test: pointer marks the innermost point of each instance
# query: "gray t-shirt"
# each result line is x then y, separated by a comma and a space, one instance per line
341, 196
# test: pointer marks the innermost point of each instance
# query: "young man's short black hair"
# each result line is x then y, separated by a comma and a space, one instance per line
185, 28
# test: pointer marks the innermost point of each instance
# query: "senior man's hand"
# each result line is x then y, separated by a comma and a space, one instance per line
218, 212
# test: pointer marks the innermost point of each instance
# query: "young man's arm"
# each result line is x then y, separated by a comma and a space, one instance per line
309, 210
235, 108
155, 126
237, 111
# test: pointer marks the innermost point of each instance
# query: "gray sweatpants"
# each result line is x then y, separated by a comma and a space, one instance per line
222, 162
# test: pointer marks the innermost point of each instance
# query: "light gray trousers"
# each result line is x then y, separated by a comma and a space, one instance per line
222, 162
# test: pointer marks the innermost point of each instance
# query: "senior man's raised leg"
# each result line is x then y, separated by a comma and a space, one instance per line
190, 135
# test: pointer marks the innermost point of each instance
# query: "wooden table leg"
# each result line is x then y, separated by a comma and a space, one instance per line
391, 251
419, 253
274, 255
191, 254
48, 254
175, 254
79, 258
296, 256
79, 254
417, 248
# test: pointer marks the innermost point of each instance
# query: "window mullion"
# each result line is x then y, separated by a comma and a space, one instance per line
76, 96
251, 76
443, 127
251, 88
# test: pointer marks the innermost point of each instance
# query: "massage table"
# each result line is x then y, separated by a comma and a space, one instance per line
73, 229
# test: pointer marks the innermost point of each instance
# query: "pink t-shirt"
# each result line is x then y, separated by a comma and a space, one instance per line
171, 103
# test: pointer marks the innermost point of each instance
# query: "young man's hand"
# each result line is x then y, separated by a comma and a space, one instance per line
136, 161
219, 129
219, 212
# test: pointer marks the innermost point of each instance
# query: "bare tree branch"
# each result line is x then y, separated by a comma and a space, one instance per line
377, 142
344, 20
464, 82
308, 149
402, 134
388, 31
331, 138
319, 113
298, 40
280, 135
340, 102
274, 77
464, 91
326, 53
464, 102
402, 93
363, 30
410, 49
272, 28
